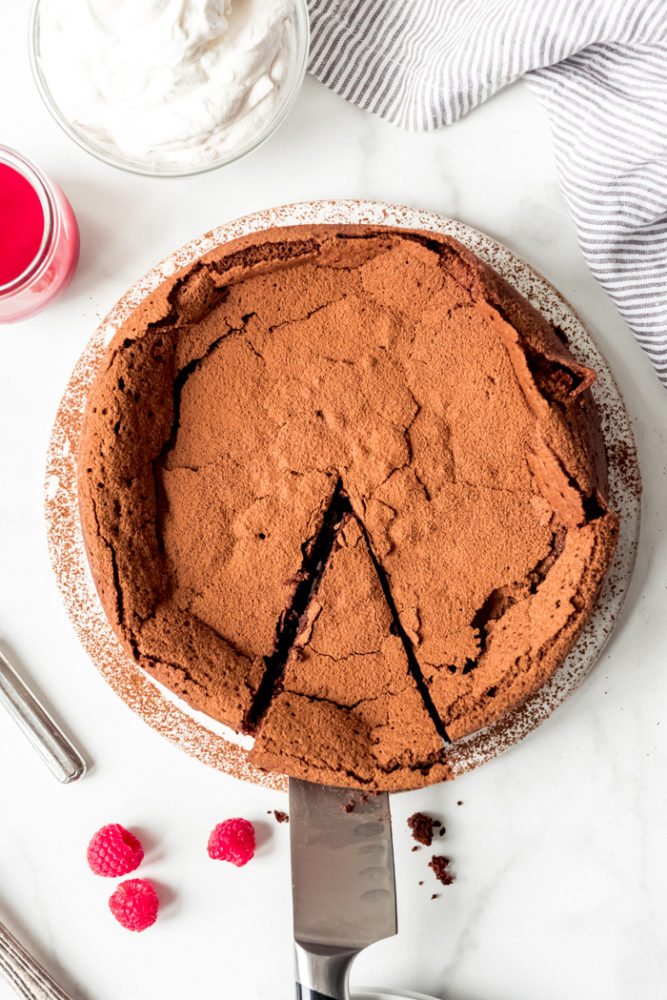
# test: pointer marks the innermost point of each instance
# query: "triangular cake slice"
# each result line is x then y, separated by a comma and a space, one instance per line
348, 711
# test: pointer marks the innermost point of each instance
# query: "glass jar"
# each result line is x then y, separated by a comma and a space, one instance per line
39, 244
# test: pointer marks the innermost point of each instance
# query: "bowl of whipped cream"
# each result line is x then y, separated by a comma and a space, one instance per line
169, 87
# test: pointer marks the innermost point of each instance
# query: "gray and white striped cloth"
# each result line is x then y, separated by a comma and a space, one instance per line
598, 66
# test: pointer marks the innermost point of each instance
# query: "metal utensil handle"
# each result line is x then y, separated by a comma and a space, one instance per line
63, 759
322, 972
24, 973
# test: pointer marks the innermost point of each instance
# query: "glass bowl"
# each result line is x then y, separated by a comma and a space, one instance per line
116, 159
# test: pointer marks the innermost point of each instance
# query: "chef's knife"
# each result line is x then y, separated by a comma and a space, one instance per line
343, 889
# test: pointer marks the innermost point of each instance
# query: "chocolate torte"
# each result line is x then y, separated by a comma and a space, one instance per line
343, 489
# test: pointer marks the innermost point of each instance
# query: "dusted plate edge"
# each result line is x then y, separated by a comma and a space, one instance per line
211, 742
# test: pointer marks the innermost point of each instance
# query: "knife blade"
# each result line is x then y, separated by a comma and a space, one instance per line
343, 887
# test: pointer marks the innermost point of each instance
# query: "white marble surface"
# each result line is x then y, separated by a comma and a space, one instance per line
559, 847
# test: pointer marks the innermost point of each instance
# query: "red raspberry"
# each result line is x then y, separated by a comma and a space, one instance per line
134, 904
233, 840
114, 851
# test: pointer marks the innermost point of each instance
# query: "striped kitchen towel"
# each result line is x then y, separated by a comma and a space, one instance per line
598, 66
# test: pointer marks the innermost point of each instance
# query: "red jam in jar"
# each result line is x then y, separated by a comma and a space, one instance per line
39, 238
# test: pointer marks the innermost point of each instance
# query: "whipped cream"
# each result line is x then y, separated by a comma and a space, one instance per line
170, 83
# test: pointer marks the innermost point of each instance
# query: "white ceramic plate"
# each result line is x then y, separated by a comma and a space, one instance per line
194, 732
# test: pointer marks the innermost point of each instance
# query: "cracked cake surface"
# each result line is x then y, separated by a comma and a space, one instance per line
322, 396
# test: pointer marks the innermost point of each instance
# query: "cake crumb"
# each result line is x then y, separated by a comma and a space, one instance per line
360, 799
281, 817
434, 896
440, 866
459, 803
422, 827
416, 847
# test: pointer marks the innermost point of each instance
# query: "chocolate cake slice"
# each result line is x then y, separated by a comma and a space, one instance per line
348, 710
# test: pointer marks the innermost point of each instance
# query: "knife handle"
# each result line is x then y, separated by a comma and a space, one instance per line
304, 993
322, 972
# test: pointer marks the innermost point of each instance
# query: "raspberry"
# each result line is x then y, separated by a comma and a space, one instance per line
134, 904
233, 840
114, 851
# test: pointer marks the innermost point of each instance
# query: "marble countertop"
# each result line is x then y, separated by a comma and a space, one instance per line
558, 846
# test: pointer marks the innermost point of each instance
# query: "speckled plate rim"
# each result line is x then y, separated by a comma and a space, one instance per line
194, 732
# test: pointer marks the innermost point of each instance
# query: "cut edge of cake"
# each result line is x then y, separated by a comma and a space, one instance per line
383, 739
